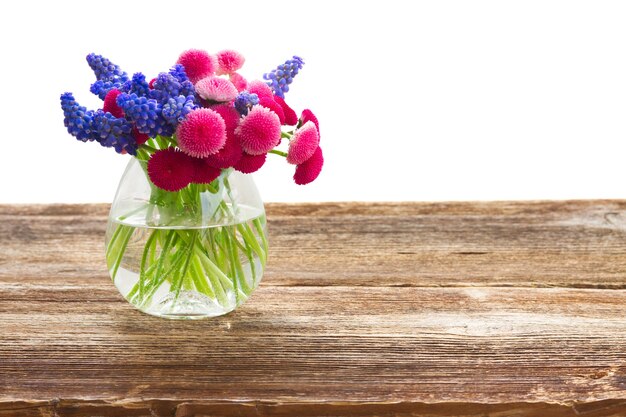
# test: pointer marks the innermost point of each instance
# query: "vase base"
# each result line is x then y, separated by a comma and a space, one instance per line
189, 305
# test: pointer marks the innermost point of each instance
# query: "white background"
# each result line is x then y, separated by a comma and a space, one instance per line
441, 100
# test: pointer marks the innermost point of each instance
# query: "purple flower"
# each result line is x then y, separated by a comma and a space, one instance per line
108, 75
175, 110
168, 86
280, 78
146, 113
114, 132
244, 102
88, 125
137, 85
77, 119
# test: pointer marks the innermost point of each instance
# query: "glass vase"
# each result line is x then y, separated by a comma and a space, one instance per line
195, 253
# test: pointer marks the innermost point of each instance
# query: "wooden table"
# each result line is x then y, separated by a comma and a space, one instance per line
447, 309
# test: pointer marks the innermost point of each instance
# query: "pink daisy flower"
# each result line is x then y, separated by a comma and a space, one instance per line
291, 118
238, 81
231, 152
229, 61
203, 172
259, 131
202, 133
308, 115
310, 169
229, 114
303, 144
170, 169
260, 89
250, 163
140, 138
110, 103
198, 64
271, 104
216, 89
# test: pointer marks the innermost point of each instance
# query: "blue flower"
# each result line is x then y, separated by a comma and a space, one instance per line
178, 72
244, 102
88, 125
108, 75
114, 132
168, 86
77, 119
146, 113
280, 78
175, 110
137, 85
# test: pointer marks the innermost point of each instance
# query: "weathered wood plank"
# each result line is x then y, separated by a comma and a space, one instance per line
349, 321
327, 344
578, 244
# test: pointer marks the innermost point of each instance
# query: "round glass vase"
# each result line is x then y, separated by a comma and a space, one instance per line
195, 253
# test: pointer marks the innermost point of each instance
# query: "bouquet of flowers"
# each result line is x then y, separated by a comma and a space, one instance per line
184, 238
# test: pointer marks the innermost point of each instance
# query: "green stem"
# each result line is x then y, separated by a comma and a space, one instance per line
260, 232
142, 268
178, 284
199, 280
146, 147
214, 274
119, 253
277, 152
251, 241
163, 255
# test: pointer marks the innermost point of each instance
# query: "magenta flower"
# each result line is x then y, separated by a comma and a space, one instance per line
170, 169
110, 103
308, 115
216, 89
229, 61
303, 144
310, 169
291, 118
250, 163
259, 131
260, 89
238, 81
198, 64
202, 133
230, 154
271, 104
203, 172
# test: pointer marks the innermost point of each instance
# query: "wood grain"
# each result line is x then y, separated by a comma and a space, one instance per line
450, 309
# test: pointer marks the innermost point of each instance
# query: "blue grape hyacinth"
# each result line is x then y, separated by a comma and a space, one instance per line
280, 77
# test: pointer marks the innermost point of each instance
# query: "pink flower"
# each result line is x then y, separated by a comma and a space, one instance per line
260, 89
303, 144
110, 103
202, 133
170, 169
229, 61
198, 64
291, 118
308, 115
216, 89
203, 172
140, 138
250, 163
273, 106
238, 81
309, 170
229, 114
259, 131
230, 154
